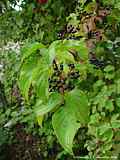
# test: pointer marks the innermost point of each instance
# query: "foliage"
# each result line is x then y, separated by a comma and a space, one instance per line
35, 22
36, 71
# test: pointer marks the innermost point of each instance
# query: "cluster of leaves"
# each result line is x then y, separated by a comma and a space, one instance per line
72, 109
36, 70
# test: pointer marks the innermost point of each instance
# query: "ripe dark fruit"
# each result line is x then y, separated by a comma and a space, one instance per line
72, 73
61, 67
56, 73
77, 72
60, 81
76, 76
97, 63
73, 38
42, 1
50, 80
61, 34
50, 85
61, 90
54, 87
71, 66
55, 68
70, 87
71, 29
51, 90
60, 85
118, 43
65, 87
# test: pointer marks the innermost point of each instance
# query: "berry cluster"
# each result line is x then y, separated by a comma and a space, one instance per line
61, 81
98, 63
67, 31
95, 35
73, 38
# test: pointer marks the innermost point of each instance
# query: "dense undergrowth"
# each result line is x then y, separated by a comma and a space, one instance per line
60, 80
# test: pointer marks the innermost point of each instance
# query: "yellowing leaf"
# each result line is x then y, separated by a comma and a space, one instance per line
40, 120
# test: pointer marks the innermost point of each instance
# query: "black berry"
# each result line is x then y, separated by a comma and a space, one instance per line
61, 67
71, 66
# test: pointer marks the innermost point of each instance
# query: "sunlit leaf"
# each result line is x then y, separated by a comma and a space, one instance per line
54, 100
68, 118
65, 127
31, 48
79, 46
26, 76
40, 120
60, 50
78, 103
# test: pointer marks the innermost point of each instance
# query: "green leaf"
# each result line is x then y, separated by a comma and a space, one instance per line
52, 50
109, 68
31, 48
115, 124
60, 50
42, 85
105, 132
57, 50
54, 100
117, 86
40, 120
107, 146
83, 1
26, 76
118, 102
109, 72
65, 127
108, 2
66, 120
109, 105
40, 79
35, 72
64, 56
90, 7
77, 102
79, 46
